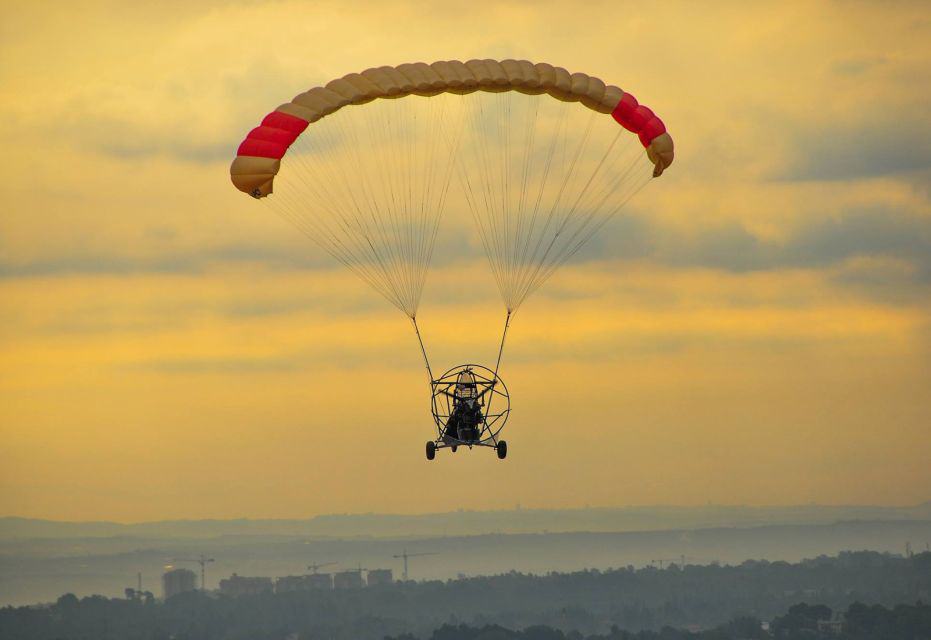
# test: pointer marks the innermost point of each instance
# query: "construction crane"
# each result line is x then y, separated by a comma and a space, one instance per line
315, 566
202, 560
404, 554
660, 562
137, 593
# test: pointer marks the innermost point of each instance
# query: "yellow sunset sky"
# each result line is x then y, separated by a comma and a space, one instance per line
754, 330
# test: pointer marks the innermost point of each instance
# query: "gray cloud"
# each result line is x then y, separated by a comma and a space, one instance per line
728, 246
140, 146
187, 262
861, 233
857, 66
206, 122
389, 355
864, 149
822, 243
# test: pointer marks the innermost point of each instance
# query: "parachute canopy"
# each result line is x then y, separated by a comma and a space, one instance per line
370, 184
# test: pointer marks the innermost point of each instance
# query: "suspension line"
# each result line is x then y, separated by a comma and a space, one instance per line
504, 334
426, 360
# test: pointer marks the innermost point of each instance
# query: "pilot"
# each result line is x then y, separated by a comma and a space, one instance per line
467, 412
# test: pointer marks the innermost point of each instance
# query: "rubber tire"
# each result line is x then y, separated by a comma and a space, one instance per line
502, 449
431, 450
455, 448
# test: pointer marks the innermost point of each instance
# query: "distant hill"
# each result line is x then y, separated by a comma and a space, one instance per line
648, 518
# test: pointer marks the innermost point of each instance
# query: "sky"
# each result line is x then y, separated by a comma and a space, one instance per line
754, 329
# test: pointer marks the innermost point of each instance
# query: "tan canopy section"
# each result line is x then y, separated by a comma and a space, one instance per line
258, 159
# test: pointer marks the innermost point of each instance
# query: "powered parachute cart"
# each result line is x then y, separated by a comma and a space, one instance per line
544, 158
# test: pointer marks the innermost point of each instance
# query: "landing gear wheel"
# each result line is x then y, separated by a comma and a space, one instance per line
431, 450
502, 449
455, 448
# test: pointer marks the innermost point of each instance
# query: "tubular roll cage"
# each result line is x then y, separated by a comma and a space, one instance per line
489, 385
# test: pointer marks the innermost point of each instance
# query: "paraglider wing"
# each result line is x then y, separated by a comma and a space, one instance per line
370, 183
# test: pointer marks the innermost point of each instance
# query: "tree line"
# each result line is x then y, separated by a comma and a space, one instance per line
801, 622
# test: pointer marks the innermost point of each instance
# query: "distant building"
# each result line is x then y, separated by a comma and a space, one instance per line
242, 586
834, 626
304, 583
347, 580
178, 581
286, 584
320, 581
379, 576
